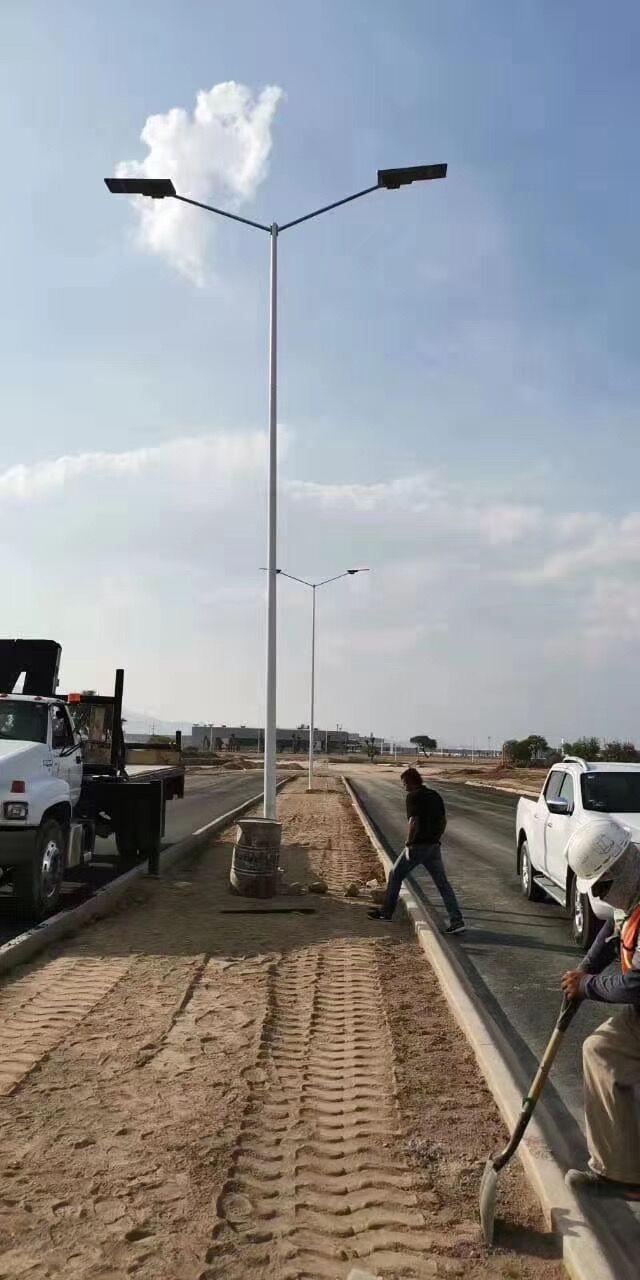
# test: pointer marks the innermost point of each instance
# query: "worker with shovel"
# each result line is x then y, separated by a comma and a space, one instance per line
607, 862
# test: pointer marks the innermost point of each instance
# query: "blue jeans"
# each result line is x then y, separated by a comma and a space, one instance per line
428, 856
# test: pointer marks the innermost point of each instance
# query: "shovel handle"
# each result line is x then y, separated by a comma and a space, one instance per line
567, 1012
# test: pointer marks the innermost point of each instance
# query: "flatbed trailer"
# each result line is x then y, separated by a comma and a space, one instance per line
122, 798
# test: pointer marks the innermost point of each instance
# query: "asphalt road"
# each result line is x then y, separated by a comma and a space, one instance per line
514, 951
206, 797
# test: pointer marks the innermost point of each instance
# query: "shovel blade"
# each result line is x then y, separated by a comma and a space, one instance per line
488, 1188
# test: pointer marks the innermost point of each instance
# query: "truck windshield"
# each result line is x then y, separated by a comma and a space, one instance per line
23, 721
611, 792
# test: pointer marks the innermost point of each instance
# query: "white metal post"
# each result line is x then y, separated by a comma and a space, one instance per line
270, 709
313, 683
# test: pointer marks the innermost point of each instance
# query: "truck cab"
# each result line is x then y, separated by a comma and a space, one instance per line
40, 785
573, 791
37, 734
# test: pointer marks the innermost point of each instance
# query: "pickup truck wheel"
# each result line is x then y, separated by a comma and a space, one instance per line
37, 887
530, 889
584, 923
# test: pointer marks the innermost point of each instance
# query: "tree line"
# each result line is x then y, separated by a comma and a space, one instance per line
536, 750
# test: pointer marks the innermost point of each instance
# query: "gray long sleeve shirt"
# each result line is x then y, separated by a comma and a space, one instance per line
609, 988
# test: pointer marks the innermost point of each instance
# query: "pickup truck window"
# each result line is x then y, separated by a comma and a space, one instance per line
566, 790
23, 721
611, 792
554, 783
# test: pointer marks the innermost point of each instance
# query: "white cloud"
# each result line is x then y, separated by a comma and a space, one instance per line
505, 523
219, 155
406, 493
605, 544
611, 619
426, 494
205, 463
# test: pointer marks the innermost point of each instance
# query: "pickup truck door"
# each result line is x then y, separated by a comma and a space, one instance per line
67, 758
558, 829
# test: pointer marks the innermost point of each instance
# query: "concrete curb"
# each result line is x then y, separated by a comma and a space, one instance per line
28, 944
582, 1252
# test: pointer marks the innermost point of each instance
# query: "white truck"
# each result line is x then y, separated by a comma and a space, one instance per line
64, 779
573, 790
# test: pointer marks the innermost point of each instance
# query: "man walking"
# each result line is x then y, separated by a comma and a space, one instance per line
606, 862
427, 822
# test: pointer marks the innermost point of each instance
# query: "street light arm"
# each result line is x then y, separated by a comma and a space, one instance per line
293, 578
348, 573
327, 207
326, 581
235, 217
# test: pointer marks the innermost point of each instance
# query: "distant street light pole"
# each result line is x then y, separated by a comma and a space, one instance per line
163, 188
315, 586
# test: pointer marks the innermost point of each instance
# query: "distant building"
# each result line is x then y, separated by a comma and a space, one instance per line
224, 737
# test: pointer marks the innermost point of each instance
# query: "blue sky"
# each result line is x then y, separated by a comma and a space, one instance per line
459, 362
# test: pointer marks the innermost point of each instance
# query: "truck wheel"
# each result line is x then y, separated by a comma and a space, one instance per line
530, 889
37, 887
584, 923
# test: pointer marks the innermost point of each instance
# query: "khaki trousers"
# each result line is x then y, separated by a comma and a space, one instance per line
611, 1060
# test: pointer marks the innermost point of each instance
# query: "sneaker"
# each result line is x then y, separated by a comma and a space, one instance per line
377, 914
589, 1180
456, 926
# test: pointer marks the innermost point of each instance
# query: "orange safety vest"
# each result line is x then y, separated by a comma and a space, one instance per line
629, 937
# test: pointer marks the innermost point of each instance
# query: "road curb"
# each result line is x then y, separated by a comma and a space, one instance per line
582, 1252
28, 944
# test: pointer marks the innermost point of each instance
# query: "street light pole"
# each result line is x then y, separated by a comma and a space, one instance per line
162, 189
313, 686
270, 743
348, 573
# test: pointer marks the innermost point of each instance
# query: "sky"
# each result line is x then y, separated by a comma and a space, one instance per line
459, 382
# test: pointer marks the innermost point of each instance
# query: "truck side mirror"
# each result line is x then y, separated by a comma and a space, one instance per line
560, 806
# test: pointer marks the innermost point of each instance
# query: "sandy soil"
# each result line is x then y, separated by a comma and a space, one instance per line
489, 774
198, 1087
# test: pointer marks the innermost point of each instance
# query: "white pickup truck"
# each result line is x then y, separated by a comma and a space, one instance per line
572, 791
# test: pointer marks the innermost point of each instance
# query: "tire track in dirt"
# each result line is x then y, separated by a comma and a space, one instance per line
315, 1183
40, 1009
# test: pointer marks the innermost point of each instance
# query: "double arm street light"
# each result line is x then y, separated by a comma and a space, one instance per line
163, 188
348, 573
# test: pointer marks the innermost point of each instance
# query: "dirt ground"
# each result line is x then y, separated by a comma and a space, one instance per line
199, 1088
504, 777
